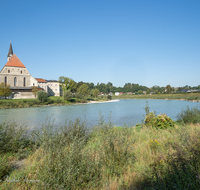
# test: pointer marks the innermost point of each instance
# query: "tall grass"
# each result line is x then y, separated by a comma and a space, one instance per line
106, 157
189, 115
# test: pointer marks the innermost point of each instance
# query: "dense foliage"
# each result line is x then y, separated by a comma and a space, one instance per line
42, 96
5, 90
189, 115
68, 95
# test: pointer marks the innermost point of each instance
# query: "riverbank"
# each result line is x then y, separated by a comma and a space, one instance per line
107, 157
108, 101
183, 96
28, 103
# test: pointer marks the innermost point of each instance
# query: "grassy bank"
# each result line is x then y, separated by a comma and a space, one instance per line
184, 96
106, 157
51, 101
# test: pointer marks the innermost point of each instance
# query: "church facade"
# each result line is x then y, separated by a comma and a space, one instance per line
20, 80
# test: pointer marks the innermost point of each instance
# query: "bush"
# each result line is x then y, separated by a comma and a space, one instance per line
68, 95
189, 115
5, 167
42, 96
66, 165
161, 121
12, 138
179, 170
79, 96
109, 97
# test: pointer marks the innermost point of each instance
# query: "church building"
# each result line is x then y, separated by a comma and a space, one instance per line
21, 82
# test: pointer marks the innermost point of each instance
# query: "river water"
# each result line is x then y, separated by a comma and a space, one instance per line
129, 112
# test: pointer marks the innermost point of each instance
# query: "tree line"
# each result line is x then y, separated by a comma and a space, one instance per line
86, 87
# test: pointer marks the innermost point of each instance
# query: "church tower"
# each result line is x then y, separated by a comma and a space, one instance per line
10, 52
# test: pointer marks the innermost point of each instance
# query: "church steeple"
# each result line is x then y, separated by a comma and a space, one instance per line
10, 52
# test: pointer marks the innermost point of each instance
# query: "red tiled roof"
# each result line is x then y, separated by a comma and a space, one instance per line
40, 80
15, 62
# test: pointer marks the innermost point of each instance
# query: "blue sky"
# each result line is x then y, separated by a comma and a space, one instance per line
149, 42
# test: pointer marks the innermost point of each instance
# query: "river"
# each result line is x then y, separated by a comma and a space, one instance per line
123, 111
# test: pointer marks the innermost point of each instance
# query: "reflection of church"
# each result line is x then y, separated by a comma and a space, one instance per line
17, 76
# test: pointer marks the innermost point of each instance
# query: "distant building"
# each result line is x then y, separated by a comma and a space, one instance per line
129, 93
20, 80
116, 93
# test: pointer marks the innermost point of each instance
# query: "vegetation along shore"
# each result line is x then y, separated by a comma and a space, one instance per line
157, 154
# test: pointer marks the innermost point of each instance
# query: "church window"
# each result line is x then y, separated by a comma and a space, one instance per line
24, 81
5, 80
15, 81
8, 70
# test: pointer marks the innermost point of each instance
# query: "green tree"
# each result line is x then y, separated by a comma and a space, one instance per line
168, 89
42, 96
109, 97
140, 92
68, 95
34, 90
83, 89
67, 83
95, 92
148, 91
5, 90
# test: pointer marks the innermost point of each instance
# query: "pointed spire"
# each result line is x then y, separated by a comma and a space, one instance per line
10, 52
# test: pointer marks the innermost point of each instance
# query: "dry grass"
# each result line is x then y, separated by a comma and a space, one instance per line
103, 152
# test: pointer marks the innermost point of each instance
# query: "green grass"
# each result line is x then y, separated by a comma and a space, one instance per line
185, 96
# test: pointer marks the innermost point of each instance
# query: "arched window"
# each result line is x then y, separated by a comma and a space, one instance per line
8, 70
5, 80
24, 81
15, 81
21, 72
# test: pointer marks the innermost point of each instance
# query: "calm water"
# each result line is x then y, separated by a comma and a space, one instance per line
123, 111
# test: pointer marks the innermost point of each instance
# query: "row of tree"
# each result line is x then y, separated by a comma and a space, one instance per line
86, 88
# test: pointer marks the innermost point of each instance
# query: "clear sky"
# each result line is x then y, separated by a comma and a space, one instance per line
149, 42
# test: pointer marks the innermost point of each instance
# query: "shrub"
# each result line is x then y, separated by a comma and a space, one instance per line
79, 96
179, 170
5, 167
42, 96
65, 165
161, 121
12, 138
189, 115
109, 97
68, 95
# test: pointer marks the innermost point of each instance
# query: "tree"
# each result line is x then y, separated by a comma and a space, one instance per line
140, 92
67, 83
148, 91
83, 89
68, 95
34, 90
109, 97
95, 92
5, 90
168, 89
42, 96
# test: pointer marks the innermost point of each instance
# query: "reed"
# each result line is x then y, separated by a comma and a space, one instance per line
107, 157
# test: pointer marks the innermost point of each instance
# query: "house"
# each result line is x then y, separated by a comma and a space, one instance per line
116, 93
129, 93
15, 73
